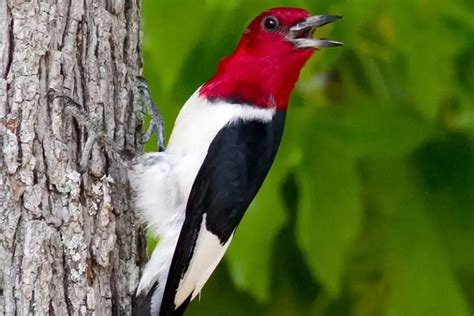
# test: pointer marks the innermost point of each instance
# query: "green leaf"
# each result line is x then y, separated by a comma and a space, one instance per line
372, 130
446, 169
250, 254
219, 297
330, 211
222, 5
422, 279
171, 31
428, 60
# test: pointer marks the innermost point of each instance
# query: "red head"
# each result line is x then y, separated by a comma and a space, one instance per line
264, 68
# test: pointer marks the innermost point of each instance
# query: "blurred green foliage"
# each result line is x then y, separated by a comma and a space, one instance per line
369, 208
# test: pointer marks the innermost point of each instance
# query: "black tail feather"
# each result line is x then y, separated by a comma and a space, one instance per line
142, 305
142, 302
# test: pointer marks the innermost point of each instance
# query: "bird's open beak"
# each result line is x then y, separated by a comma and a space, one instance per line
301, 34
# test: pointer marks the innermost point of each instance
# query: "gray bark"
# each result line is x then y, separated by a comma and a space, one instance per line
69, 242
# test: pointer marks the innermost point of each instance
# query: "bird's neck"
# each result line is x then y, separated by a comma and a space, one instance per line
259, 81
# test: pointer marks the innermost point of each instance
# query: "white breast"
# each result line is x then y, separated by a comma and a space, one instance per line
197, 125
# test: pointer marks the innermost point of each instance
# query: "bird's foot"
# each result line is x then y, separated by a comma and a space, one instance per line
156, 123
93, 127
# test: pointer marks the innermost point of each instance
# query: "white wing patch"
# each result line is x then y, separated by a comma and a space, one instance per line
207, 255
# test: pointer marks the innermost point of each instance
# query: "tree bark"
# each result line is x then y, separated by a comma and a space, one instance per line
70, 243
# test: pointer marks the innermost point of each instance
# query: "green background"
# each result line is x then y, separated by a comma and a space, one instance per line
369, 207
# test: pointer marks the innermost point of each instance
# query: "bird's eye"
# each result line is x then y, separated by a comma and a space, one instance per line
270, 23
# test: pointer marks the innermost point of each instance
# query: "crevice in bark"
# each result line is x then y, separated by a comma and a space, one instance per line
66, 24
69, 306
15, 236
11, 44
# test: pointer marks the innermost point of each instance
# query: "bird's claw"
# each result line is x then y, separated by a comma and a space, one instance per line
156, 123
94, 132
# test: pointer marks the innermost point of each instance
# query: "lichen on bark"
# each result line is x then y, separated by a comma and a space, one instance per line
70, 243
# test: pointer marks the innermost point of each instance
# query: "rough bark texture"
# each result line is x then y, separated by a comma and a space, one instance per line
69, 241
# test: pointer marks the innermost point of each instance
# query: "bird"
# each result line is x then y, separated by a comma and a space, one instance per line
193, 195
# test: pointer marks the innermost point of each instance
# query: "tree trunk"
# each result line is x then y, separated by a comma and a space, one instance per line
69, 241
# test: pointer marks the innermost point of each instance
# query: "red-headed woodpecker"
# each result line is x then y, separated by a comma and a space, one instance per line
194, 194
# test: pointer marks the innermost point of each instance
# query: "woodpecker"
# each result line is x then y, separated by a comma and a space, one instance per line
193, 195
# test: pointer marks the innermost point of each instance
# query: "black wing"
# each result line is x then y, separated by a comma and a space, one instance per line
233, 171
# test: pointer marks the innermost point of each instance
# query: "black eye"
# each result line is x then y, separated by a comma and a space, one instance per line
270, 23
